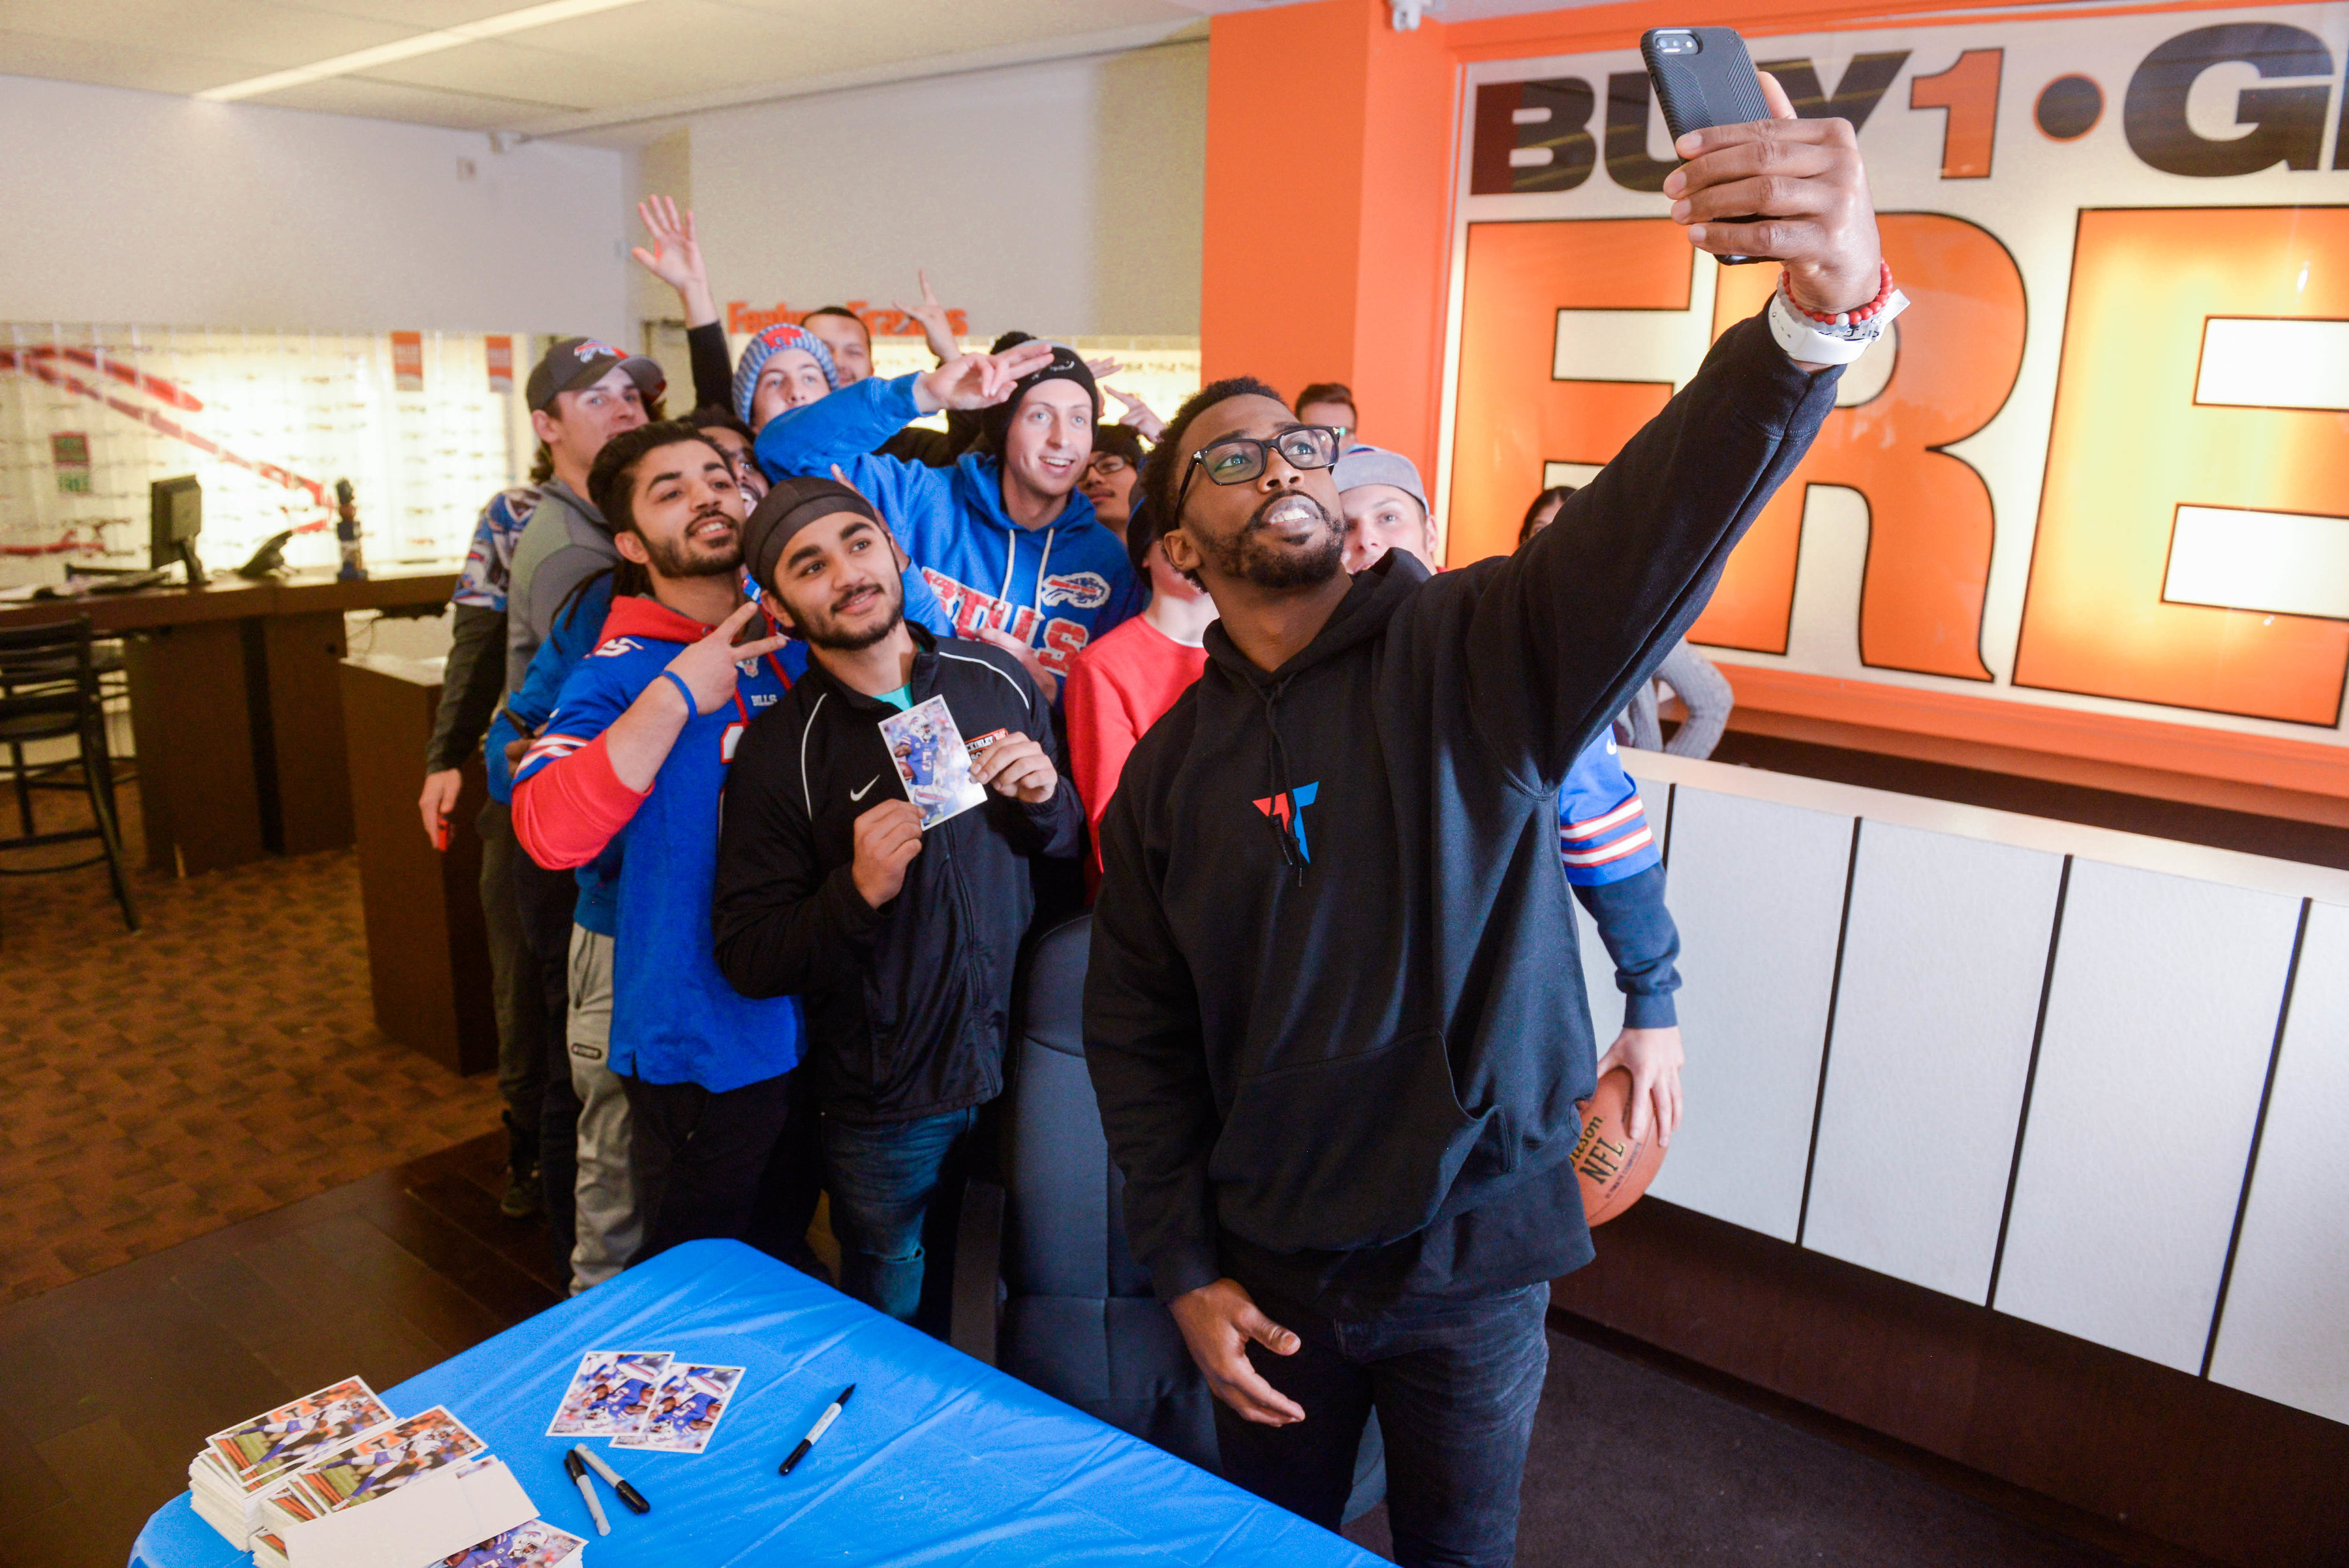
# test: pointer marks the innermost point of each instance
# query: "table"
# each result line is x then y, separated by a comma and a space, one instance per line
235, 707
427, 944
939, 1459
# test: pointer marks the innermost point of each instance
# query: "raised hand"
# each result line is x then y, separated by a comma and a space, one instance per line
676, 257
1139, 414
887, 838
707, 666
979, 380
936, 330
1104, 367
1803, 185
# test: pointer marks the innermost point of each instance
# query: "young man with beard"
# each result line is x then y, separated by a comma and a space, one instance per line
901, 943
1011, 547
633, 758
1333, 1012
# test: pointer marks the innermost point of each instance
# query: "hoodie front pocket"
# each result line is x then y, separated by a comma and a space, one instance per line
1352, 1152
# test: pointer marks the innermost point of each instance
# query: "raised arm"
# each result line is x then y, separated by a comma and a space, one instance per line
1560, 633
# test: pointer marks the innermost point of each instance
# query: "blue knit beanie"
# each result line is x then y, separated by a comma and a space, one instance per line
763, 348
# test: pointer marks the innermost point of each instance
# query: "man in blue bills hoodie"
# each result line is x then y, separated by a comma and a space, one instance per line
1004, 538
1334, 1013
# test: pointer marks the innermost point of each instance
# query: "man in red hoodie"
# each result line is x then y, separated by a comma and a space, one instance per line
1118, 686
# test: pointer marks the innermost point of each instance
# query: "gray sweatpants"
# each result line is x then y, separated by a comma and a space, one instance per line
611, 1225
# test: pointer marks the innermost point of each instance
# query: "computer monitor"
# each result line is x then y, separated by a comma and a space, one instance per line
176, 515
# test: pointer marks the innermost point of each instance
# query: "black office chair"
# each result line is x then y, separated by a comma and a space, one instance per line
1046, 1287
50, 690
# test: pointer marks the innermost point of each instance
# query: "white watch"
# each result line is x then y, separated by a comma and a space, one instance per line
1819, 343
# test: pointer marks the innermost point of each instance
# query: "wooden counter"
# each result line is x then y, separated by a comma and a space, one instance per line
427, 951
236, 707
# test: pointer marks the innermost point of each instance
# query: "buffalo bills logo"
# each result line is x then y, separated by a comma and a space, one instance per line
590, 349
616, 647
1086, 590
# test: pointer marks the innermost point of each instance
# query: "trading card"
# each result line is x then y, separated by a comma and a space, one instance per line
258, 1451
537, 1544
686, 1409
609, 1393
979, 743
386, 1460
932, 763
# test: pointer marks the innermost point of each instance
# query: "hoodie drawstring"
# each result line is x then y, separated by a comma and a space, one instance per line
1278, 766
1045, 565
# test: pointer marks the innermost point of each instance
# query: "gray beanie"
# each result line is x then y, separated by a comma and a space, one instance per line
1360, 465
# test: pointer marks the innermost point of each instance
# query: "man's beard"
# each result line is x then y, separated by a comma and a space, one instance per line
679, 558
1245, 558
826, 633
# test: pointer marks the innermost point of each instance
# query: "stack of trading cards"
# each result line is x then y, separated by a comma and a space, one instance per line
357, 1473
238, 1467
644, 1399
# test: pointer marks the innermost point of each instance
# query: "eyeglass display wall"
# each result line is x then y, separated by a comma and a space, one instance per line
424, 425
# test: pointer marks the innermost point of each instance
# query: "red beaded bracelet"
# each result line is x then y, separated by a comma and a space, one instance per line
1842, 317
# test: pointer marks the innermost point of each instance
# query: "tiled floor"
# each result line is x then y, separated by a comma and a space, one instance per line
220, 1063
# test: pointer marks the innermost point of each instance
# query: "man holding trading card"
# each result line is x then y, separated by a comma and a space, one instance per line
897, 926
1333, 1011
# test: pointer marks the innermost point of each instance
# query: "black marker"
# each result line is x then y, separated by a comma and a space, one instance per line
831, 1414
628, 1494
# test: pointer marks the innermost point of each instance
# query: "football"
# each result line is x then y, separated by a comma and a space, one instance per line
1613, 1169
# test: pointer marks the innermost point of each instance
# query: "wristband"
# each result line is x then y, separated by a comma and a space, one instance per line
692, 707
1811, 341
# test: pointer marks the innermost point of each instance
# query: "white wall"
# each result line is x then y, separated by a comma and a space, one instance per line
1063, 198
150, 208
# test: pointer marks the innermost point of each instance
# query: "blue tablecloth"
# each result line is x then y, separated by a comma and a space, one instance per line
938, 1458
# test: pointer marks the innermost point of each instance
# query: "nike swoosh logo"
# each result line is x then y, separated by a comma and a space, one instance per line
860, 794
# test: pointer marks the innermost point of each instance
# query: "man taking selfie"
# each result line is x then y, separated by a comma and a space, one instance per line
1333, 1012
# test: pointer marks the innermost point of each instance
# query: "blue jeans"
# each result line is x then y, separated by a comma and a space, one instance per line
896, 1191
1455, 1386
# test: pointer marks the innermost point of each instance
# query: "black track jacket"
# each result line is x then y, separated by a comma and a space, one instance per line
1334, 1013
906, 1004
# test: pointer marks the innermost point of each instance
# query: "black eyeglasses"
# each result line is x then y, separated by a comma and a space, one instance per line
1236, 460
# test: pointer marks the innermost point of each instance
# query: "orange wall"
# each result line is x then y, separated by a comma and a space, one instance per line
1328, 181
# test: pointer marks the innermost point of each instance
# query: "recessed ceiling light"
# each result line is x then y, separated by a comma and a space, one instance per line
408, 49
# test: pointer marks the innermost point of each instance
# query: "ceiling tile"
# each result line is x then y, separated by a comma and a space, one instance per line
508, 67
242, 33
109, 65
395, 100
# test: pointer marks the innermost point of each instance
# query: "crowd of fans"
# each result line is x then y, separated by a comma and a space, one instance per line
729, 602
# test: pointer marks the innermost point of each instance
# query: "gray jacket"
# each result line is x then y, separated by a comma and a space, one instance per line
566, 542
1703, 689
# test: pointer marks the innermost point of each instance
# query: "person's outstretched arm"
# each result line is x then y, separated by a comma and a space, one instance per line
1561, 632
1704, 691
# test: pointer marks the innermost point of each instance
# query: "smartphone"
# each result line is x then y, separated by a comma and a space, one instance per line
1703, 77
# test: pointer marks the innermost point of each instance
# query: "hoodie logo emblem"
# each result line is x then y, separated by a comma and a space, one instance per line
1086, 590
860, 793
1289, 810
616, 647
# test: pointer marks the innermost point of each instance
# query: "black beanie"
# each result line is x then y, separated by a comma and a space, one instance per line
786, 509
1066, 366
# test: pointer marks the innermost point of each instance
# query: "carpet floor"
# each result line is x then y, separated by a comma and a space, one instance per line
220, 1063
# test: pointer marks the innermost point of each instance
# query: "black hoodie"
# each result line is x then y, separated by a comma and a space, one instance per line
1335, 1014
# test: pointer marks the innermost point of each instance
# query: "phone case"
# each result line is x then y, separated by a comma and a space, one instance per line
1715, 85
